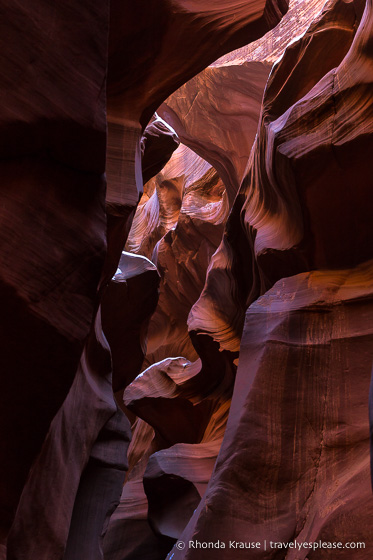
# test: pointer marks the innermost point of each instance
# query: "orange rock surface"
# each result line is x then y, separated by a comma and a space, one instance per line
80, 85
187, 360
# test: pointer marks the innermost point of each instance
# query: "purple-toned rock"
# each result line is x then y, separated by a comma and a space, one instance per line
53, 121
294, 464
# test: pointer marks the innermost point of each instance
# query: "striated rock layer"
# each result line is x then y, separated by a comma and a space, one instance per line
182, 256
289, 285
186, 400
294, 464
152, 52
296, 203
188, 203
216, 112
53, 225
70, 73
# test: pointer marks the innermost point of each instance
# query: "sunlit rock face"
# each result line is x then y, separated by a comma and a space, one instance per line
152, 52
216, 115
293, 157
179, 224
216, 112
297, 469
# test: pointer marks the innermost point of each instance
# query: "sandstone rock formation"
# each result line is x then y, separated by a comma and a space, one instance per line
277, 229
52, 217
153, 49
206, 387
295, 204
295, 458
233, 338
192, 232
284, 229
56, 106
216, 112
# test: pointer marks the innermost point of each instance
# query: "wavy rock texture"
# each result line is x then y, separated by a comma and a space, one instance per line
159, 208
156, 146
165, 483
301, 206
128, 303
83, 460
53, 122
186, 401
182, 212
153, 50
216, 112
76, 520
293, 348
298, 423
182, 257
177, 474
178, 224
203, 33
297, 151
129, 101
290, 284
186, 202
129, 534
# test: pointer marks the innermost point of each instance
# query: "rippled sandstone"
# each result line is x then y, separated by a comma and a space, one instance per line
61, 89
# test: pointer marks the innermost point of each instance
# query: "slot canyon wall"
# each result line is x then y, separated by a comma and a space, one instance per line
187, 279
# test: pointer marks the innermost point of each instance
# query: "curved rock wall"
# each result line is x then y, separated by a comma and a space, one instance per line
295, 204
53, 222
62, 86
253, 250
300, 200
294, 464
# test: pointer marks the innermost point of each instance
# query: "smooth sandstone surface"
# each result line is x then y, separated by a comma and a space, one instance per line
278, 220
155, 47
233, 342
294, 464
216, 112
278, 228
53, 225
61, 89
303, 133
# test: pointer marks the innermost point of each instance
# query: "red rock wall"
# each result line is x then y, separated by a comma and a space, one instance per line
298, 469
53, 224
265, 258
294, 463
70, 73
